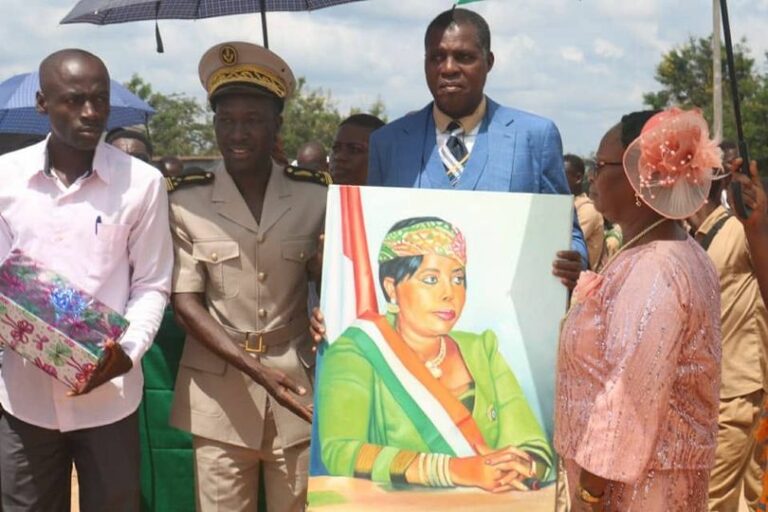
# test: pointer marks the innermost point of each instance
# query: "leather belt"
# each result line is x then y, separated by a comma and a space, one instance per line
257, 342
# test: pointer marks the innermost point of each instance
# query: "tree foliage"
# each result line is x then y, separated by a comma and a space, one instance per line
686, 76
312, 114
181, 126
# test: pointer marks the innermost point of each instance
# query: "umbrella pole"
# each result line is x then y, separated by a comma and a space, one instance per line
738, 200
263, 5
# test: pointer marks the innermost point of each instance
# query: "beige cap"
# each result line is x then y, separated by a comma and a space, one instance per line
245, 67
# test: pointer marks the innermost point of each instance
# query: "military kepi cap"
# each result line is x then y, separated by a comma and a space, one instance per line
238, 67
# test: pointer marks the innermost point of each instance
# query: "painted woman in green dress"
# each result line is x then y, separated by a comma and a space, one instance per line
405, 399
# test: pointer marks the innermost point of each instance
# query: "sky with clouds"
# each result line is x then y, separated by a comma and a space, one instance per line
583, 63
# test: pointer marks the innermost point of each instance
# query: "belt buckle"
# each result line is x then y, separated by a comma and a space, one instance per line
260, 347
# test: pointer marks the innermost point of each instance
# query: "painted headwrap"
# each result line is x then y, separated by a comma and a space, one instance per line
427, 237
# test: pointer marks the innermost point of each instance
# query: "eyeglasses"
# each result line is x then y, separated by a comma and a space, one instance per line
602, 164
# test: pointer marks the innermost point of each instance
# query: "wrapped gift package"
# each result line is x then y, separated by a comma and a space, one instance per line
53, 324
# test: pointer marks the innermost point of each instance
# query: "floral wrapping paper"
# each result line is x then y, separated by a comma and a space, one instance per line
50, 322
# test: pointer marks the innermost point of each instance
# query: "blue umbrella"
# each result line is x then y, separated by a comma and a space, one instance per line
18, 114
105, 12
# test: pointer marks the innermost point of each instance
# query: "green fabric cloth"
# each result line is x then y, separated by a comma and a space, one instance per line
167, 470
355, 407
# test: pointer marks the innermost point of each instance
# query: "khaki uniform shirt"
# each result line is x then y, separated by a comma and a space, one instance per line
591, 223
744, 318
255, 280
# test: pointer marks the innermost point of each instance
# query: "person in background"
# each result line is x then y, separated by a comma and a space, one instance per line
756, 230
133, 142
590, 221
639, 354
349, 153
744, 322
313, 156
90, 212
171, 166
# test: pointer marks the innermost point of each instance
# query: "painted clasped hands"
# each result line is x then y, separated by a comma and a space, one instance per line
496, 471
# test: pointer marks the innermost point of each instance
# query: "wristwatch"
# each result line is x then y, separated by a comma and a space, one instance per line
588, 497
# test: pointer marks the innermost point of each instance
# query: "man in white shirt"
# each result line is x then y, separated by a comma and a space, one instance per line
98, 217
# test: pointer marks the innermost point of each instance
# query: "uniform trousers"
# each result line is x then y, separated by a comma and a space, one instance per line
36, 466
736, 467
227, 476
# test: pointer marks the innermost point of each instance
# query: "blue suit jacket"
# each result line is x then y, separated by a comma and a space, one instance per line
514, 151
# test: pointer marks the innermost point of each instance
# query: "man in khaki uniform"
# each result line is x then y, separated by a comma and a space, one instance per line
246, 248
744, 322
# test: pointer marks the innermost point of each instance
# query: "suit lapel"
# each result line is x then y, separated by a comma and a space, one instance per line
478, 158
414, 148
500, 143
230, 203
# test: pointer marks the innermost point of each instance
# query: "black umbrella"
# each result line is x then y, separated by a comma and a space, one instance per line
105, 12
741, 208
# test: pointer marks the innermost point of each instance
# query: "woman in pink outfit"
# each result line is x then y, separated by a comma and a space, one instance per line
639, 357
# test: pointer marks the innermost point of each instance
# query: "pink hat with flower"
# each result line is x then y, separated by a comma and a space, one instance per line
672, 163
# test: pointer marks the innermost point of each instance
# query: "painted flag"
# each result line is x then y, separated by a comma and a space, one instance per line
352, 275
348, 276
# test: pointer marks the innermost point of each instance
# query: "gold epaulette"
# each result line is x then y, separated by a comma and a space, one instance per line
173, 183
302, 174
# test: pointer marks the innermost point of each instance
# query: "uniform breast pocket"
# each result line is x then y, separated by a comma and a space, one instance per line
222, 263
299, 250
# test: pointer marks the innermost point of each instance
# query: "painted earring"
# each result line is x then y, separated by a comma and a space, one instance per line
638, 203
393, 308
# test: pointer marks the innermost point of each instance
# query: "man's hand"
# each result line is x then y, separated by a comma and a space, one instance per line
282, 389
114, 363
752, 192
317, 325
567, 268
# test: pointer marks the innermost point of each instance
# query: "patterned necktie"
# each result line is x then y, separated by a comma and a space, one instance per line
454, 153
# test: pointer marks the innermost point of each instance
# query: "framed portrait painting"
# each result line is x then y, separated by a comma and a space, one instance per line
435, 385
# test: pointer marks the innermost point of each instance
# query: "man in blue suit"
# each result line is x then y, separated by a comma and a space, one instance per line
465, 140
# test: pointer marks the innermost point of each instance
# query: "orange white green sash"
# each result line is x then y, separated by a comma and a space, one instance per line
445, 424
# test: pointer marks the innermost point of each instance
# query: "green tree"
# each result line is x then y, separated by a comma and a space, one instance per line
312, 114
181, 126
685, 74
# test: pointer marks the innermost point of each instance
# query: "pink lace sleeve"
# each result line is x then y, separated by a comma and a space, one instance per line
645, 323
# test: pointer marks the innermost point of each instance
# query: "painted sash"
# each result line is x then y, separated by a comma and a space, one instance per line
445, 424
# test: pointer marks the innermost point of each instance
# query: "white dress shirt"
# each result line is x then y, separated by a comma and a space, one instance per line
470, 124
108, 234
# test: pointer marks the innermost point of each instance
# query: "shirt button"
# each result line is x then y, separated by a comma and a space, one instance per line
261, 276
260, 238
214, 257
262, 313
301, 255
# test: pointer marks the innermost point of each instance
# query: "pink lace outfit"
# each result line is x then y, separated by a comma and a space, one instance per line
638, 378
